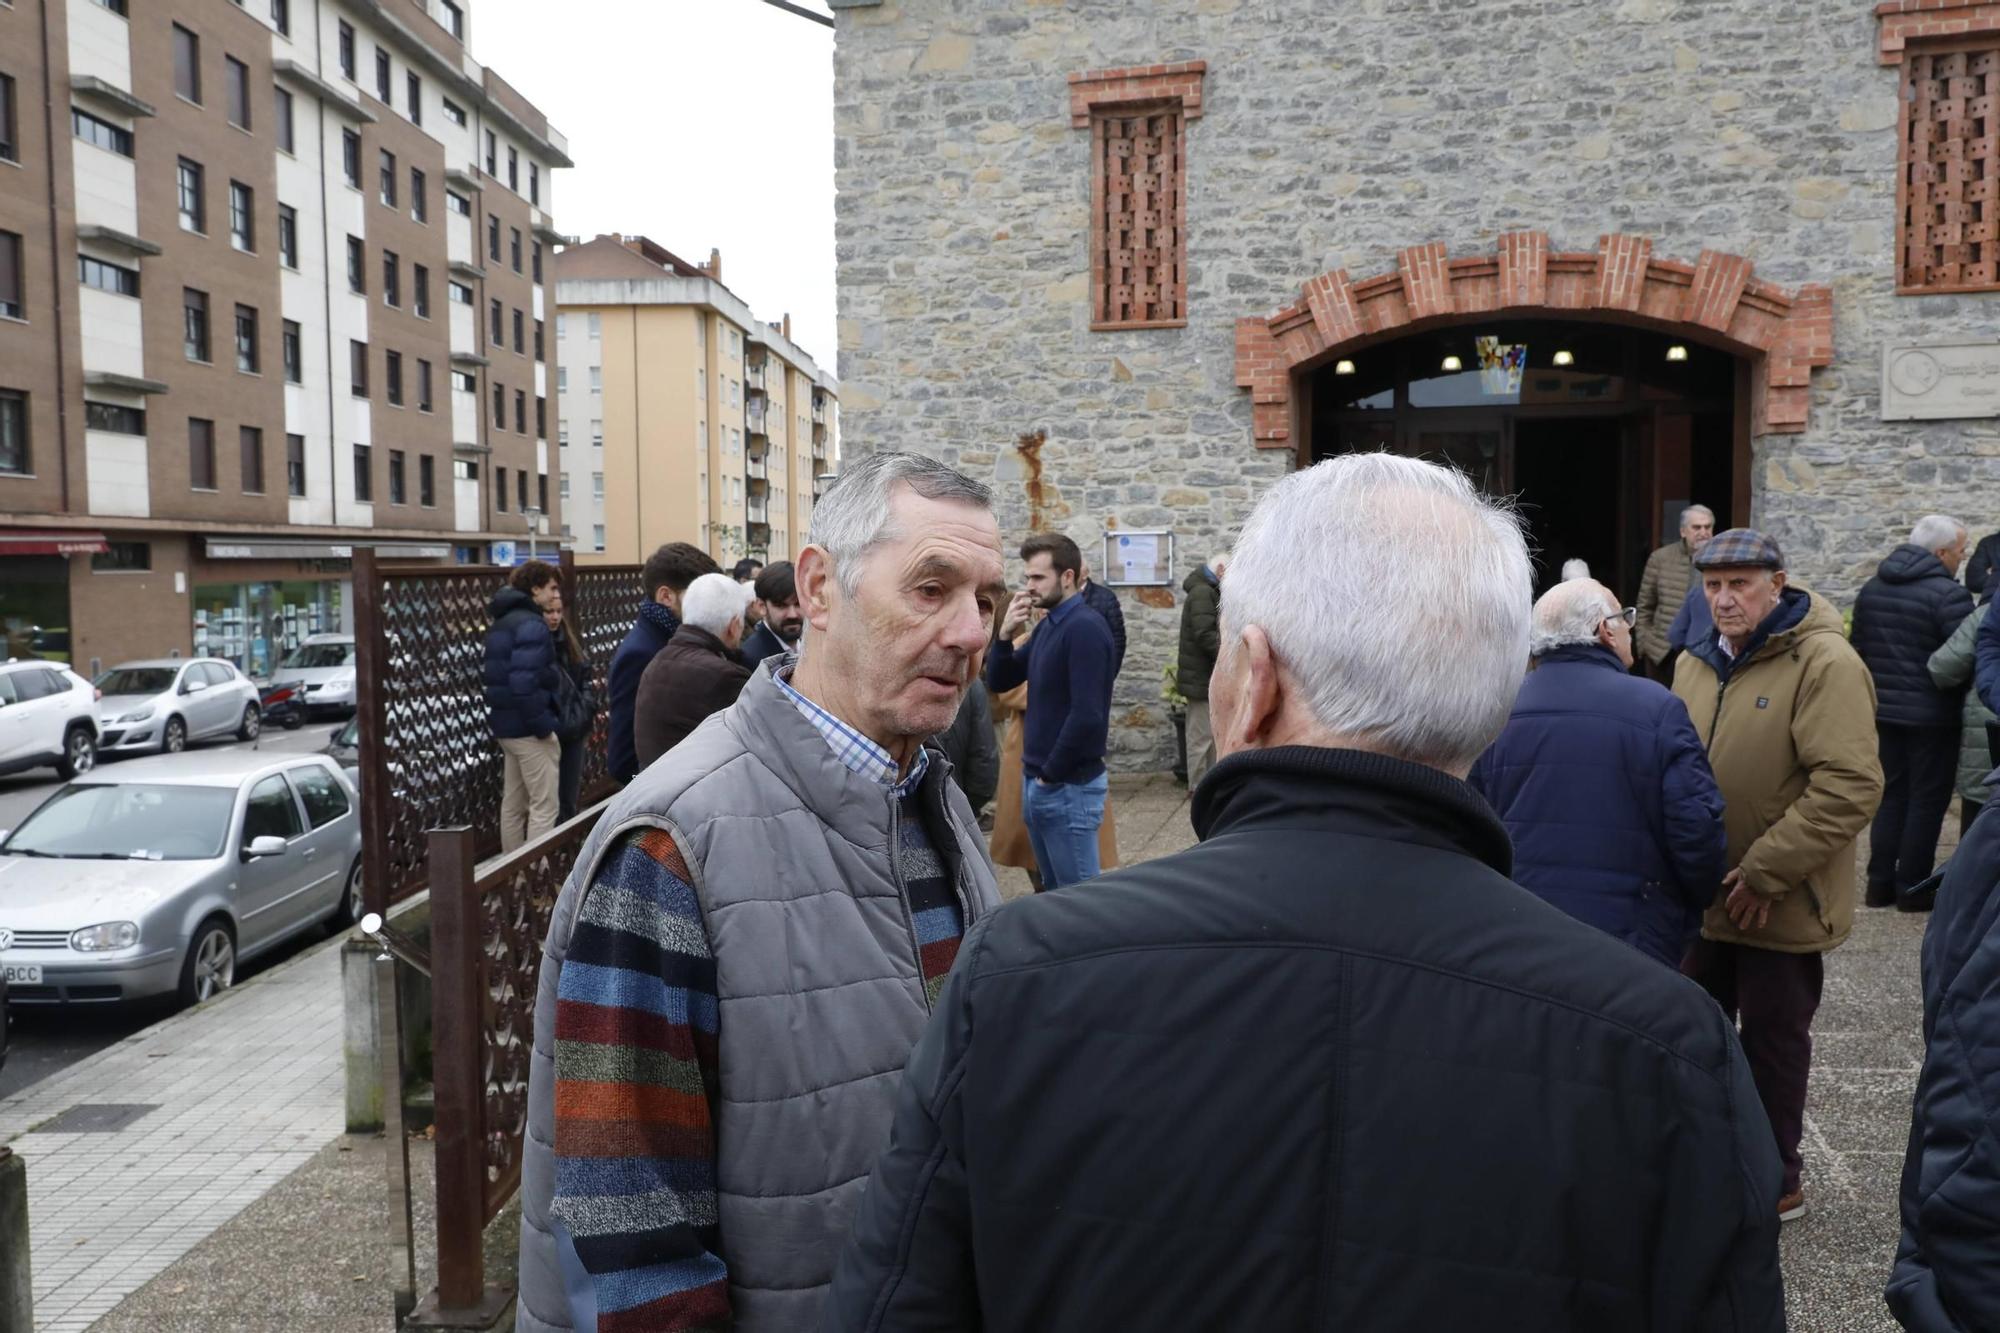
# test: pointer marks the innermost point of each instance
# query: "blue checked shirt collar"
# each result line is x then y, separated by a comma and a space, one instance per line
859, 754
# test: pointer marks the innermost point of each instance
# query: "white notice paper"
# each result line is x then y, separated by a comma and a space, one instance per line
1139, 557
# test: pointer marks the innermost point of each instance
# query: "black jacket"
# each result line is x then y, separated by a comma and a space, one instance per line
1329, 1069
1105, 602
761, 643
520, 670
974, 751
1903, 615
693, 676
1979, 569
1947, 1273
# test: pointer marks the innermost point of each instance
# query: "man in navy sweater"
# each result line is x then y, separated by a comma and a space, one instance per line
1069, 665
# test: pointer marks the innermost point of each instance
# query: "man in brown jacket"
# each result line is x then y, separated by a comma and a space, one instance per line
1787, 711
699, 672
1669, 574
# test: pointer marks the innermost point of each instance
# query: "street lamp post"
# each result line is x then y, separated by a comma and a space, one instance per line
533, 516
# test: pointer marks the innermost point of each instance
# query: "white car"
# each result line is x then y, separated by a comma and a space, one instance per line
322, 670
164, 705
47, 716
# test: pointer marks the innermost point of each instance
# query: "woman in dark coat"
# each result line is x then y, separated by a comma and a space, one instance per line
570, 660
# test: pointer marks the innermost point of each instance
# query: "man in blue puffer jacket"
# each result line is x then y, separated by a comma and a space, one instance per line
520, 677
1603, 784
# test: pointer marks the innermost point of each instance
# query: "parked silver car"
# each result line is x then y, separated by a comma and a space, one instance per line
160, 875
322, 668
165, 704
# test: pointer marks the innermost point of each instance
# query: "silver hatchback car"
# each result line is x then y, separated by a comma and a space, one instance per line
165, 704
158, 876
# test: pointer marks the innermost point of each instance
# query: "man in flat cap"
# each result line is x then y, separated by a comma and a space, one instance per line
1787, 711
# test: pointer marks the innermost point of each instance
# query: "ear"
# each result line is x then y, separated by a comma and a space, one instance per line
1259, 698
813, 574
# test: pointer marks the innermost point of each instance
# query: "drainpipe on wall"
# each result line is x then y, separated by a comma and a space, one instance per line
55, 263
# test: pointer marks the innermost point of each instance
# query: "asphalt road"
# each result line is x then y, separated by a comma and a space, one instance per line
43, 1041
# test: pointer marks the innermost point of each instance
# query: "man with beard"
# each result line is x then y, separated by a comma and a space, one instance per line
1068, 665
783, 623
754, 937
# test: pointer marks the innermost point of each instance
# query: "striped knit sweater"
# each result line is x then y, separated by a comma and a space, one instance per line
636, 1026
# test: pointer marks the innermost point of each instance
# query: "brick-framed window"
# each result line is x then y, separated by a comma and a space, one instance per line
1137, 118
1948, 167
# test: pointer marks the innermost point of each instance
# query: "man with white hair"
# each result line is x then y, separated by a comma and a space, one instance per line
755, 935
1590, 739
1329, 1068
1904, 614
1665, 586
700, 671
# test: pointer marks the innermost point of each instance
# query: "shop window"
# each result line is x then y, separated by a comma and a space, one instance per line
1948, 185
254, 625
123, 558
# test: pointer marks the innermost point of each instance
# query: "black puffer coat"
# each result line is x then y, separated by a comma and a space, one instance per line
1904, 614
520, 672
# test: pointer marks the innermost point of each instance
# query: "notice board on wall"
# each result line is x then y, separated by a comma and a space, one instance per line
1138, 559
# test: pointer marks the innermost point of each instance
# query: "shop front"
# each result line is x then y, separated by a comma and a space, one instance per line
34, 589
256, 599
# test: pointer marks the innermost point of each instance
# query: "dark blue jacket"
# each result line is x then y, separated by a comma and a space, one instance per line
1694, 623
520, 668
649, 634
1105, 602
1947, 1273
1607, 794
1986, 669
1903, 615
1068, 666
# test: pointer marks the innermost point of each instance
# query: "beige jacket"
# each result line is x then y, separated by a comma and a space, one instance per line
1669, 574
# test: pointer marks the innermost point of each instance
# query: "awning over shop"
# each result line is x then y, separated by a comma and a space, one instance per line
30, 541
225, 548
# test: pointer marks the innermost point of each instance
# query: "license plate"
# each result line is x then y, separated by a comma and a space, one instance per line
21, 974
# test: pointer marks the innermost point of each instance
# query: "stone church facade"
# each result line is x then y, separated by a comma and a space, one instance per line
1130, 262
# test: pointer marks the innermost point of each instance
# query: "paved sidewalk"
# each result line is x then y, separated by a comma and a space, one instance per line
240, 1092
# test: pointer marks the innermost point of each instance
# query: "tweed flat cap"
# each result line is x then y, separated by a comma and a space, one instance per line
1738, 547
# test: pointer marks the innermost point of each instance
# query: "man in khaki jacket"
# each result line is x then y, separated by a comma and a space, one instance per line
1787, 711
1664, 586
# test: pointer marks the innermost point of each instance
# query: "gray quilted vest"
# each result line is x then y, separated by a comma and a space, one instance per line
820, 993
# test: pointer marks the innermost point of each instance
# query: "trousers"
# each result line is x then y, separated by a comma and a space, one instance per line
532, 769
1062, 820
1772, 996
1919, 766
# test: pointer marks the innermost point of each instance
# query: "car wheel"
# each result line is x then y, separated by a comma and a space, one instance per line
351, 906
175, 738
295, 719
253, 723
79, 753
210, 968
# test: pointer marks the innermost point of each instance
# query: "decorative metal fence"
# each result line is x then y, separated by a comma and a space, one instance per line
428, 759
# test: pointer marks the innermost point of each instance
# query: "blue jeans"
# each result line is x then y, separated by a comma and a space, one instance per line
1062, 820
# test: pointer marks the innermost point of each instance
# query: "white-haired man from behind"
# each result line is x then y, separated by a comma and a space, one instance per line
700, 671
755, 935
1330, 1068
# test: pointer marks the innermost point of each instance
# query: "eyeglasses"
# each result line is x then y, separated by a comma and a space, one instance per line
1630, 615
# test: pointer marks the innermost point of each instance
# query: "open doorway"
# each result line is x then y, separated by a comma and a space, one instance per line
1570, 474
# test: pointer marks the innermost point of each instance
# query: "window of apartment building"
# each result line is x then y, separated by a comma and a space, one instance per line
288, 236
513, 170
541, 418
236, 86
14, 456
382, 76
346, 48
700, 383
562, 487
420, 291
281, 109
357, 265
459, 292
396, 494
500, 489
736, 393
201, 454
115, 6
453, 112
542, 491
427, 481
454, 19
521, 488
281, 16
250, 448
499, 407
242, 217
413, 89
514, 247
116, 418
520, 411
101, 133
464, 469
122, 558
700, 330
295, 465
350, 158
194, 324
540, 345
364, 474
735, 343
291, 348
388, 177
562, 434
392, 279
357, 368
499, 322
536, 255
192, 196
457, 203
187, 64
393, 377
597, 536
464, 381
597, 485
107, 277
520, 342
535, 187
597, 379
596, 433
420, 202
596, 322
562, 325
493, 237
248, 358
423, 386
492, 155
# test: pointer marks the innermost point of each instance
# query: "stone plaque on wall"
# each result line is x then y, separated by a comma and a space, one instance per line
1931, 381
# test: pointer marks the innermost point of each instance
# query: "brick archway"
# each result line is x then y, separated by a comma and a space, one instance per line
1715, 300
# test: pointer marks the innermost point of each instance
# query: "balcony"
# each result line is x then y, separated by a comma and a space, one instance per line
819, 409
819, 445
755, 468
754, 414
753, 377
757, 509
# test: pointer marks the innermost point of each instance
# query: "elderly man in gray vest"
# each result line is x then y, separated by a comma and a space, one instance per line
754, 938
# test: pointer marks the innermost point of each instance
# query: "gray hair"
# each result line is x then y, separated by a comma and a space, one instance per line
1396, 595
1692, 510
1575, 569
852, 518
1570, 613
713, 600
1934, 532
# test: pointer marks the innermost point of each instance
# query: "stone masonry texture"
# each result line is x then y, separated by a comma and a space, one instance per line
1337, 136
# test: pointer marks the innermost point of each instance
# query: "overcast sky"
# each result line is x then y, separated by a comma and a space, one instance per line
698, 123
